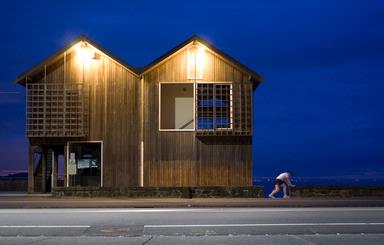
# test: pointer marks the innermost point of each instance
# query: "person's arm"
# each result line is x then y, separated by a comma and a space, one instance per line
289, 182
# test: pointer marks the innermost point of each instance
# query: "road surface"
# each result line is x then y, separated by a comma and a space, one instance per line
193, 226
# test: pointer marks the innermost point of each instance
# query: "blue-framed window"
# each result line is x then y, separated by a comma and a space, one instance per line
214, 106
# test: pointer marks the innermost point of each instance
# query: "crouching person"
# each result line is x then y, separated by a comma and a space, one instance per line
284, 181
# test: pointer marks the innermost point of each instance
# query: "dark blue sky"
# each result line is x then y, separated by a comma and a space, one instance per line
320, 111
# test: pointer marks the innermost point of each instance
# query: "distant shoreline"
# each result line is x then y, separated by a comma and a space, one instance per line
266, 181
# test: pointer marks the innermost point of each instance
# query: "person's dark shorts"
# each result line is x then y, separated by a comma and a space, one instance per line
279, 182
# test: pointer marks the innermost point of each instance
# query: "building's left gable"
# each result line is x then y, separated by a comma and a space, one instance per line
81, 50
67, 93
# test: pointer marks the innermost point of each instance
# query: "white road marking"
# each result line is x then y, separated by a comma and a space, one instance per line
189, 210
45, 226
259, 225
199, 225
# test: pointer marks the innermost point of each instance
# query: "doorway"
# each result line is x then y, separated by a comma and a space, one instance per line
84, 164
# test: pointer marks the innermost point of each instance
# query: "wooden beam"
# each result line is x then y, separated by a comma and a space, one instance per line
65, 165
55, 159
31, 168
142, 132
64, 95
43, 169
45, 100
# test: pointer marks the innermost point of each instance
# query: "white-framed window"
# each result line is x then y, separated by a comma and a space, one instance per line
195, 106
176, 106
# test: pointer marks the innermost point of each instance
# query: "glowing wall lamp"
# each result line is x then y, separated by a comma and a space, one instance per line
86, 53
195, 62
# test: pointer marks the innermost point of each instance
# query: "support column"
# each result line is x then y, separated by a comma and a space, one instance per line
31, 168
141, 169
65, 166
55, 159
43, 169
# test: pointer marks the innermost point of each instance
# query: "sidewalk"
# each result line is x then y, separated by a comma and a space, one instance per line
35, 201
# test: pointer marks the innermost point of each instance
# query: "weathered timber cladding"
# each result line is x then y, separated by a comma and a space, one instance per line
121, 109
112, 95
184, 159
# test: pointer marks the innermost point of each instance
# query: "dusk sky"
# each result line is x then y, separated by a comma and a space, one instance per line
319, 111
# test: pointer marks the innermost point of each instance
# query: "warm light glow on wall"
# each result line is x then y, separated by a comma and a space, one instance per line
85, 53
195, 62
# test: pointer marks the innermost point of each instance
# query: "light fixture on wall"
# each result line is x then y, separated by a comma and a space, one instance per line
195, 61
86, 53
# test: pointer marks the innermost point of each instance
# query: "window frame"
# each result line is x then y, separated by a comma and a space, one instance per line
195, 83
194, 108
230, 105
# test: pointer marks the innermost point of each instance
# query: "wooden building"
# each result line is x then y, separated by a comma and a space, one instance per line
183, 120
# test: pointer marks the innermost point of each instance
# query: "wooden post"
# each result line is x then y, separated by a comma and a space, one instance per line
65, 166
64, 132
141, 174
55, 159
43, 169
31, 168
45, 100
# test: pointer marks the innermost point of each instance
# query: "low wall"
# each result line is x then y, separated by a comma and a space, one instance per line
158, 192
337, 191
13, 185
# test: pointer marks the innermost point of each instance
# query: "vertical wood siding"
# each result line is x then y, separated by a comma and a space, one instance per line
182, 158
170, 158
112, 94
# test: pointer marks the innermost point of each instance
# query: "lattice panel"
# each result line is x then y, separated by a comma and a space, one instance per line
214, 109
243, 109
224, 109
56, 110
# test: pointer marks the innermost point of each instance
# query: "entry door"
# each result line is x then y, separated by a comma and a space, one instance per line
84, 164
184, 113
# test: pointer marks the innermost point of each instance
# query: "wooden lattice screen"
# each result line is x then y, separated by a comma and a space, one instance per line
242, 103
56, 110
223, 109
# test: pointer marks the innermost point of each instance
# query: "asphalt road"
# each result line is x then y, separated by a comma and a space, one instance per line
193, 226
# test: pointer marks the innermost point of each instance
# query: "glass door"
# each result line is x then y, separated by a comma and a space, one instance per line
84, 164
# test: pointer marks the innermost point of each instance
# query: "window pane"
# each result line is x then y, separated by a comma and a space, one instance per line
214, 106
223, 106
205, 106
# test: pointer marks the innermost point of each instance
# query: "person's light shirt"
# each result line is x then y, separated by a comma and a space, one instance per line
283, 177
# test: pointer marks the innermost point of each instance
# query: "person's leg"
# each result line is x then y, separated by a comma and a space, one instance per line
285, 187
275, 190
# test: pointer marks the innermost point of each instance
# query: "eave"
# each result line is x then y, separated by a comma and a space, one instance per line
254, 77
23, 77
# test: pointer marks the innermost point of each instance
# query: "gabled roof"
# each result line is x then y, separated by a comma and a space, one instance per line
138, 71
196, 38
59, 54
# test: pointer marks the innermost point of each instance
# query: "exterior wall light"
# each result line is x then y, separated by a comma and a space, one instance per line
86, 53
195, 62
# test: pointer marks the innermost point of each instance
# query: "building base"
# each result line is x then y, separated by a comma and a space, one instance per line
159, 192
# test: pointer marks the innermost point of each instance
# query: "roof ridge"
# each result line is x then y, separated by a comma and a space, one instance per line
138, 71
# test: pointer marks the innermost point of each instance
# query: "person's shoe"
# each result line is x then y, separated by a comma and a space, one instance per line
271, 196
286, 196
